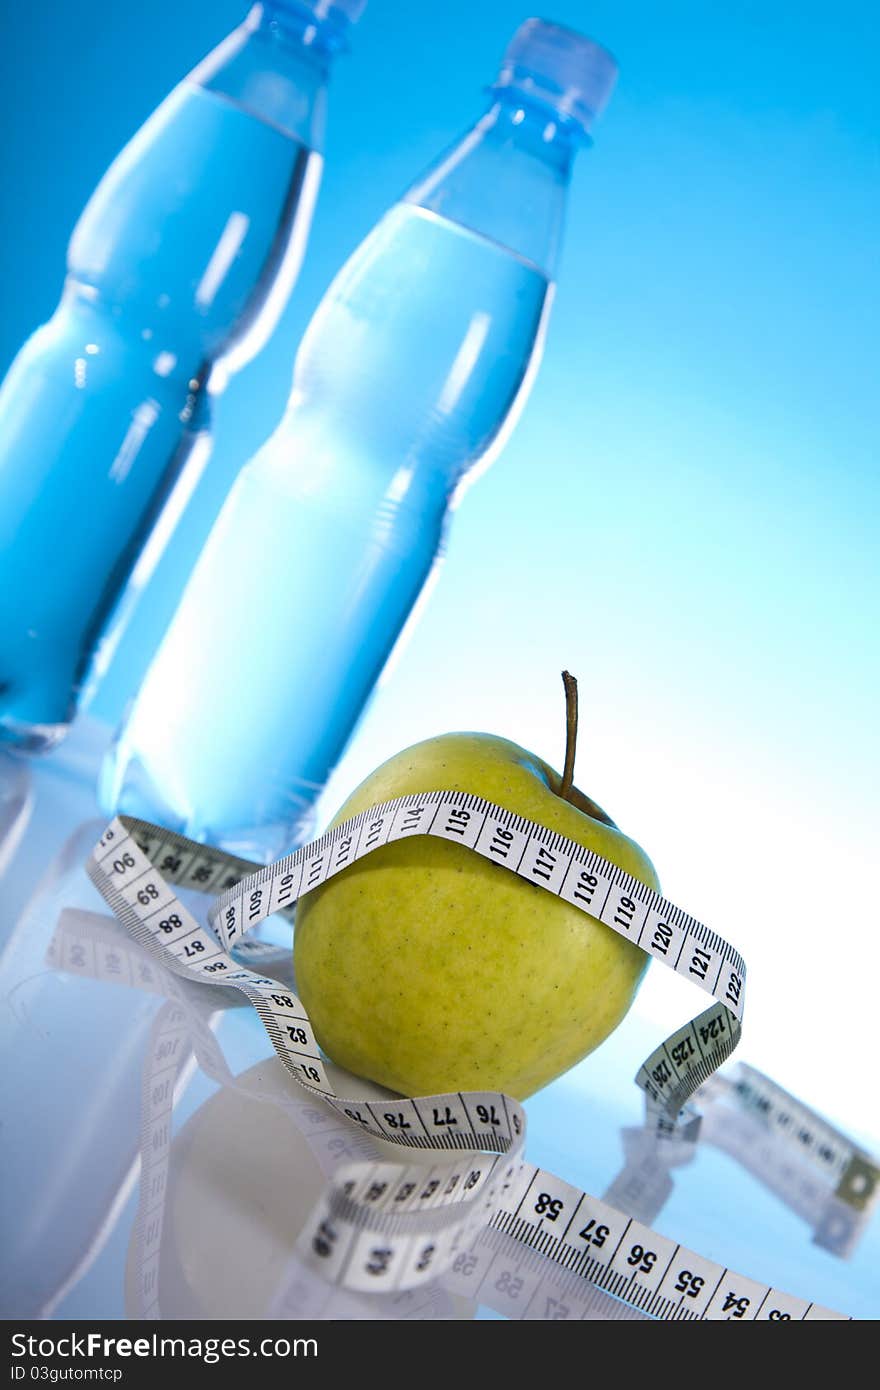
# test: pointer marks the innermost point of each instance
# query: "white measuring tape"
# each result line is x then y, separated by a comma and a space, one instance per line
785, 1145
391, 1226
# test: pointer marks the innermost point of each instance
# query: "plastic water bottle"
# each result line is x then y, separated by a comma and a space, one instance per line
178, 270
409, 376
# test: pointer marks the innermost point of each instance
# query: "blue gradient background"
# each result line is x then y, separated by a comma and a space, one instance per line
686, 516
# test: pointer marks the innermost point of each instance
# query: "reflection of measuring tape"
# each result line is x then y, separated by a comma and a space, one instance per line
170, 1054
839, 1161
89, 945
786, 1146
389, 1226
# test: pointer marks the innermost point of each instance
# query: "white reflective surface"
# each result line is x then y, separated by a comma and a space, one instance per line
158, 1161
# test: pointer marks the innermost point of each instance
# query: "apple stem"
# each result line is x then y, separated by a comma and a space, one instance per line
571, 732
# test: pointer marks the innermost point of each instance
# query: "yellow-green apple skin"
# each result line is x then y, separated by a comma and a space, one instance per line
427, 968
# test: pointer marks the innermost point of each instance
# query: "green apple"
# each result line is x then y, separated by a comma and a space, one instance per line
427, 968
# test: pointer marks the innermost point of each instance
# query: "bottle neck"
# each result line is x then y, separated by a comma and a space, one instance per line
508, 178
275, 66
316, 22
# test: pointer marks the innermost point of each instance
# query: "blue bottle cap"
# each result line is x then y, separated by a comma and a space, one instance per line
346, 11
556, 66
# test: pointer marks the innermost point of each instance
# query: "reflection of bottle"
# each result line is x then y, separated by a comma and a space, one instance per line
71, 1083
16, 802
177, 271
409, 375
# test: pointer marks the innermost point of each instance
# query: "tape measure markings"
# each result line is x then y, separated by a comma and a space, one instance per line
402, 817
627, 1259
168, 1052
259, 895
343, 1232
775, 1154
856, 1172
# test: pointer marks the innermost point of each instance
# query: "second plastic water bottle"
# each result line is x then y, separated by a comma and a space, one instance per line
410, 373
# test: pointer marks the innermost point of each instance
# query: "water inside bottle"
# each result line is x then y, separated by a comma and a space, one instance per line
185, 253
414, 361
